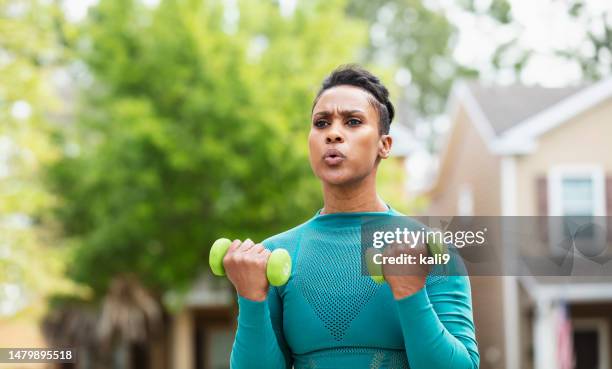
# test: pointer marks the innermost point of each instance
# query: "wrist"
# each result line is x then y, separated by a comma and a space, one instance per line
403, 291
253, 296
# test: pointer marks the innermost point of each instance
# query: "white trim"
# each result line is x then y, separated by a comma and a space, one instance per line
522, 138
499, 146
555, 177
508, 179
562, 111
558, 172
543, 326
511, 146
511, 321
599, 325
461, 95
509, 202
478, 117
577, 292
571, 292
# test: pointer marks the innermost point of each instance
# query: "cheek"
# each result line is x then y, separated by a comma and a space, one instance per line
313, 147
367, 145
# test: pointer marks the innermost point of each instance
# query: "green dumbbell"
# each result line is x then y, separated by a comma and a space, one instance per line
278, 269
376, 272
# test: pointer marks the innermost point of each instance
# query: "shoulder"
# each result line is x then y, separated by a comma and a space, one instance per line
288, 239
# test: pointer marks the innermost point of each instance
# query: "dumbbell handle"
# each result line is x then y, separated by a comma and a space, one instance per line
376, 270
278, 268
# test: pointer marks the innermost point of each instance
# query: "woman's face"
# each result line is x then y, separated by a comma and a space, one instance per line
344, 138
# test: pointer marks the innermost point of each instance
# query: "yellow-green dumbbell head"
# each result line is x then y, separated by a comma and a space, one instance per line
375, 270
217, 253
436, 248
279, 267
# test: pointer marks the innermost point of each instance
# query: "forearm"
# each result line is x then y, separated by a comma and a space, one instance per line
429, 343
256, 345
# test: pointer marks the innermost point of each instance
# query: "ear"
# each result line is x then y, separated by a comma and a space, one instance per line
385, 142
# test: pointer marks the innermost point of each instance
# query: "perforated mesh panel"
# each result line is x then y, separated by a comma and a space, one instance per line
368, 357
337, 295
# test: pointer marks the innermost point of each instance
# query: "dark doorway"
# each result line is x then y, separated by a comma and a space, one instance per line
586, 349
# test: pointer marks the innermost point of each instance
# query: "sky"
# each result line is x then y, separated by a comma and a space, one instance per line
542, 25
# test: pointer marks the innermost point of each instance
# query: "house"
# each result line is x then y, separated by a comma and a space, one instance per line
202, 331
531, 151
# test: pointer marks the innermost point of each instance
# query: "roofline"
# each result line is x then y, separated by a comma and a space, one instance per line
522, 138
461, 95
561, 112
497, 145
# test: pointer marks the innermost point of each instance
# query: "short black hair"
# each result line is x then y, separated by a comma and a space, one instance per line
355, 75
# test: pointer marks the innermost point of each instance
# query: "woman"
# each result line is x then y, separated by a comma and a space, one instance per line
329, 315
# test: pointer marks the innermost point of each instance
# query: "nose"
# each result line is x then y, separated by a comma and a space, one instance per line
333, 136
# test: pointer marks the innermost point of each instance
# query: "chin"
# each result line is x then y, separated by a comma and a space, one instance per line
338, 179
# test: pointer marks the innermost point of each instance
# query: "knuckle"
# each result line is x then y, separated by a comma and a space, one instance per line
228, 259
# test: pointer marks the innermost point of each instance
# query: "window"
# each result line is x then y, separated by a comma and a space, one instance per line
577, 196
577, 192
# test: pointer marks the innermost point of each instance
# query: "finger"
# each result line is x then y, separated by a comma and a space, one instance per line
246, 245
233, 247
256, 249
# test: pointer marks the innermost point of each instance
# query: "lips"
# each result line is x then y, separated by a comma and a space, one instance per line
333, 157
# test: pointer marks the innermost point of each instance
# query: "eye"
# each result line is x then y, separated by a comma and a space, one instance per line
320, 123
353, 122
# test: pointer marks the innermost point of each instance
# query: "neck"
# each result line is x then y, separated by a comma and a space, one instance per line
360, 196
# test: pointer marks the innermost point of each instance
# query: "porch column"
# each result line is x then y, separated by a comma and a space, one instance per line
544, 337
182, 340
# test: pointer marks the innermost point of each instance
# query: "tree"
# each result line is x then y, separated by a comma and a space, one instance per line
193, 127
417, 42
30, 267
591, 29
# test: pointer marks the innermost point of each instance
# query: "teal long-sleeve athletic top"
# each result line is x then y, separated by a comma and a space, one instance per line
329, 315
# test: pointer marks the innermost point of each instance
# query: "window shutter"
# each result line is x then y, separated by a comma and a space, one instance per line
542, 207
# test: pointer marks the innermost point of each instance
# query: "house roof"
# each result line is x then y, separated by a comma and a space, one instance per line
507, 106
510, 119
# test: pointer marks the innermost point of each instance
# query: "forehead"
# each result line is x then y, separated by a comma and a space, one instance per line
344, 97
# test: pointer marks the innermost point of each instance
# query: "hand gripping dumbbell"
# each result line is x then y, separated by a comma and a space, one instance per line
278, 268
376, 272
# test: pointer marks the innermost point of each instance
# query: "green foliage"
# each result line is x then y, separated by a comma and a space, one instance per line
593, 54
193, 128
407, 34
29, 267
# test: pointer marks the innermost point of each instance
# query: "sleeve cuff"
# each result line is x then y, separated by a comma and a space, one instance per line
414, 306
250, 311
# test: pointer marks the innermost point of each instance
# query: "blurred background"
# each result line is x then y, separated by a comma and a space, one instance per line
135, 133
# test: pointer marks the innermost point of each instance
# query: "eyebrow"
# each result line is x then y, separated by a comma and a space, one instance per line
342, 112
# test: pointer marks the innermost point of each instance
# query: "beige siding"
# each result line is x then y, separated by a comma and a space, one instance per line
584, 139
470, 162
